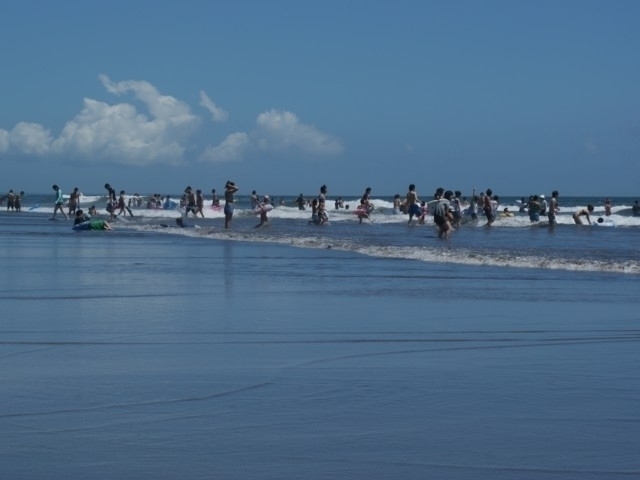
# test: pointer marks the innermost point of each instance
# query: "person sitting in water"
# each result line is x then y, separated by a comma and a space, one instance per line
636, 209
583, 213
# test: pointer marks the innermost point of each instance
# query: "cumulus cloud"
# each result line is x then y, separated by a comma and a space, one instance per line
154, 128
217, 113
279, 132
232, 149
121, 134
282, 130
161, 107
26, 138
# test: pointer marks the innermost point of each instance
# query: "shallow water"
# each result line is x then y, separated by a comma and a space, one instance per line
160, 353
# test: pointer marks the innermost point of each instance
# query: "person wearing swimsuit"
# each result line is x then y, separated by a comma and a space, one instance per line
229, 189
583, 213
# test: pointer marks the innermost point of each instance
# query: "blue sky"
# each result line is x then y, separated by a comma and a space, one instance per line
284, 96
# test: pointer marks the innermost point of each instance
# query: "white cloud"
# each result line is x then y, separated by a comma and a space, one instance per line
26, 138
217, 113
158, 129
282, 130
121, 134
232, 149
162, 107
278, 132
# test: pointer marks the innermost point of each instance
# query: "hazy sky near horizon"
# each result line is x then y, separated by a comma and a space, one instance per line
284, 96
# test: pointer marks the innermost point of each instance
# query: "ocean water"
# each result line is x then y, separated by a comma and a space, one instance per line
612, 246
350, 350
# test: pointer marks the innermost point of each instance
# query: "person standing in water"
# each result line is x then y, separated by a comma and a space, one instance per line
199, 204
254, 200
264, 208
59, 203
121, 205
413, 203
74, 201
17, 201
301, 202
488, 208
190, 206
442, 216
11, 200
229, 189
366, 200
112, 201
553, 208
215, 202
322, 196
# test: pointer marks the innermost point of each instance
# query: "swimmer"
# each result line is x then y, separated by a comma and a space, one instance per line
506, 212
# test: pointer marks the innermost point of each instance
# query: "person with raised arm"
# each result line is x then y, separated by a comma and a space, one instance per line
229, 189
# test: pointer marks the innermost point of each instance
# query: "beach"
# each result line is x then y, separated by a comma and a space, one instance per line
293, 352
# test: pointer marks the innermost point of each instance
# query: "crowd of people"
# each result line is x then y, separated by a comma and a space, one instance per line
446, 206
